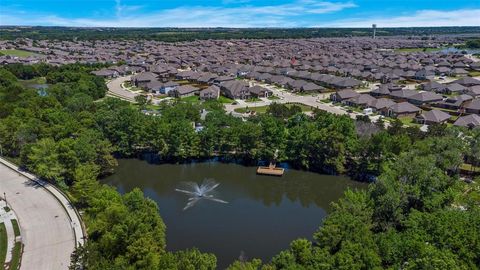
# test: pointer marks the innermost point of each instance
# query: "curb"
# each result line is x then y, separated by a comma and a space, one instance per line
79, 237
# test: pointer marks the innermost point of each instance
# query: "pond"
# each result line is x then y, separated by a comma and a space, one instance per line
262, 216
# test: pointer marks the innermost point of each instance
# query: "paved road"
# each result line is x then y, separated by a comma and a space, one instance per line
115, 88
47, 231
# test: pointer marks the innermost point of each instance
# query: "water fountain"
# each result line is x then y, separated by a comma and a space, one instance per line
199, 192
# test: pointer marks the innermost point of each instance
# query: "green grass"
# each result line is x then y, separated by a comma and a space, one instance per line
470, 168
19, 53
16, 256
418, 50
263, 109
408, 121
226, 100
474, 73
3, 244
16, 229
273, 98
191, 99
251, 100
36, 80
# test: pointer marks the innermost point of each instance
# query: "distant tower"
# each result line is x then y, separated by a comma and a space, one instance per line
374, 26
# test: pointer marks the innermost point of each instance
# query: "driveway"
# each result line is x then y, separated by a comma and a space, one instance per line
46, 230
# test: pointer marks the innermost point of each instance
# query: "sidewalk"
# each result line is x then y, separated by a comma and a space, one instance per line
75, 221
6, 219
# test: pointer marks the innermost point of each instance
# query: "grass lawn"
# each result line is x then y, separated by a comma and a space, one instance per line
408, 121
16, 255
474, 73
263, 109
226, 100
273, 98
16, 229
470, 168
191, 99
19, 53
253, 100
418, 50
3, 244
33, 82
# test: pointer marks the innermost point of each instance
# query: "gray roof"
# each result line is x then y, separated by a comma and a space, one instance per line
346, 94
426, 97
404, 107
471, 120
473, 105
404, 93
435, 116
382, 103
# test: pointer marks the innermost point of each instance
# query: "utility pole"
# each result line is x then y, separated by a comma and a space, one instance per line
374, 26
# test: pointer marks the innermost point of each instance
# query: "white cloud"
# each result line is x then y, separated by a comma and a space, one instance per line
460, 17
284, 15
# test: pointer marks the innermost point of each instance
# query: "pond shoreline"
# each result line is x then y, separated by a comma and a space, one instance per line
278, 209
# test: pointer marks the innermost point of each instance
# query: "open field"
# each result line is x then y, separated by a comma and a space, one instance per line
19, 53
410, 50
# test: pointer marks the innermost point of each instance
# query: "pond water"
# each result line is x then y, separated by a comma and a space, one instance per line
262, 216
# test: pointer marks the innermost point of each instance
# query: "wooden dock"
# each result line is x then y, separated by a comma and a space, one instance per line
270, 170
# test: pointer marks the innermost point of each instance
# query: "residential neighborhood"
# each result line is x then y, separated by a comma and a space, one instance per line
357, 75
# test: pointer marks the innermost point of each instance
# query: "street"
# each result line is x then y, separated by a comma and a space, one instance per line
45, 226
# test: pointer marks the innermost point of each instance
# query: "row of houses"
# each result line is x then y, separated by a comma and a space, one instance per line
426, 107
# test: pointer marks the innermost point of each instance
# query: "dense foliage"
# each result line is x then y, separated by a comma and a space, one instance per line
190, 34
418, 214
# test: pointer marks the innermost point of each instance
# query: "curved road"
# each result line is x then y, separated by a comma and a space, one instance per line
115, 89
49, 231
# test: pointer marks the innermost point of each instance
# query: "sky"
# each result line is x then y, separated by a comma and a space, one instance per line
240, 13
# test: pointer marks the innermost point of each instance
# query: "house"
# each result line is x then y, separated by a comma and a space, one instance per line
472, 106
296, 85
424, 98
402, 94
105, 73
311, 87
154, 86
433, 117
260, 92
433, 86
346, 83
363, 101
183, 91
343, 95
425, 74
235, 89
382, 91
454, 103
142, 79
403, 109
473, 91
455, 88
469, 121
168, 86
467, 81
381, 104
212, 92
458, 72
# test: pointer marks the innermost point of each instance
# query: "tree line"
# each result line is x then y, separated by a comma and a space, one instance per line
418, 213
191, 34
